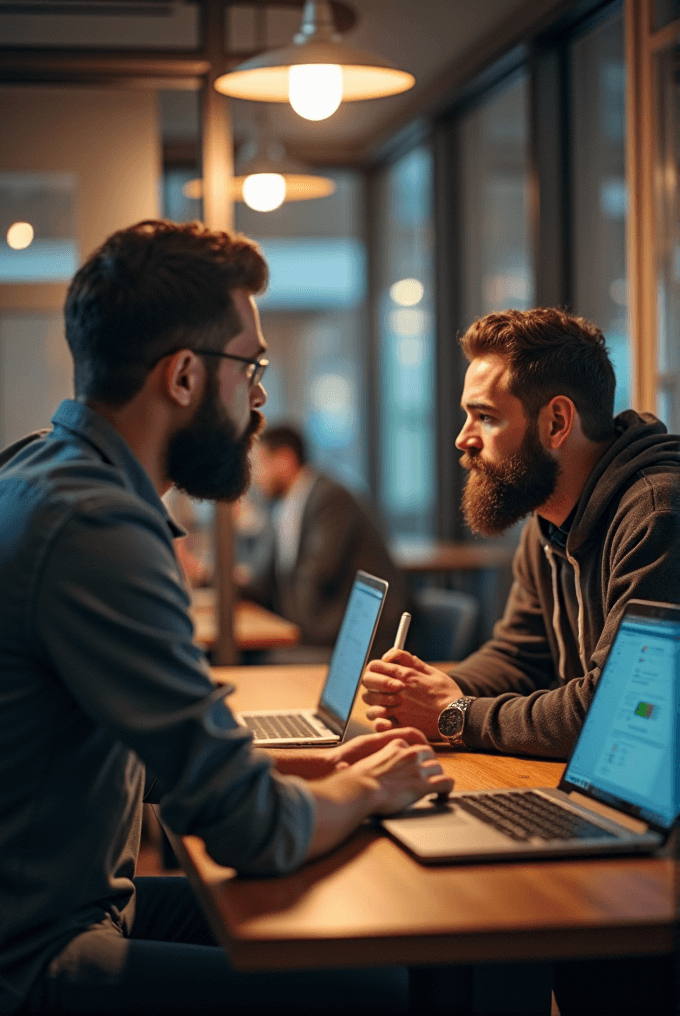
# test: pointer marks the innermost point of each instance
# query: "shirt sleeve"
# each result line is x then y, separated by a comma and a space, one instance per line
110, 616
518, 657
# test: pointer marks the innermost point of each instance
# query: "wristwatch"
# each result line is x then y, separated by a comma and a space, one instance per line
451, 722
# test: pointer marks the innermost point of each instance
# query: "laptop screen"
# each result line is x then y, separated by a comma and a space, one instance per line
625, 755
353, 644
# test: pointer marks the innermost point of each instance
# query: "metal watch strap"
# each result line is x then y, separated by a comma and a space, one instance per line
463, 704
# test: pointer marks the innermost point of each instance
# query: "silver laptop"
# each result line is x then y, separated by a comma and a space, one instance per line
620, 792
328, 722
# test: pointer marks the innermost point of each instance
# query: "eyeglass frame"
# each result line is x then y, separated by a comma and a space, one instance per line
259, 366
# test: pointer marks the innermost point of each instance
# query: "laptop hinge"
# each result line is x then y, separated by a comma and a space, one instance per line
330, 721
634, 824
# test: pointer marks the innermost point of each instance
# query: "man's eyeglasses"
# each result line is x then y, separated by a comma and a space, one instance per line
256, 368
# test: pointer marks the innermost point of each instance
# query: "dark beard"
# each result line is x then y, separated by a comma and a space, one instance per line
497, 496
206, 459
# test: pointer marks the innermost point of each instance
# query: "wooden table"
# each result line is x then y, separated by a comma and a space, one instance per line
368, 902
445, 556
254, 627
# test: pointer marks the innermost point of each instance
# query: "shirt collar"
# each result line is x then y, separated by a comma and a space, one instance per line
558, 535
90, 426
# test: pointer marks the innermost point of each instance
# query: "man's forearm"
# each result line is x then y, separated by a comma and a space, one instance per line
342, 803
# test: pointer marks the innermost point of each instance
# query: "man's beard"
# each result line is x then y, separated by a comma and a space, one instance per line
497, 496
208, 459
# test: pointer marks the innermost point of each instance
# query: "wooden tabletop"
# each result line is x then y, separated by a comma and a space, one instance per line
369, 902
445, 556
254, 626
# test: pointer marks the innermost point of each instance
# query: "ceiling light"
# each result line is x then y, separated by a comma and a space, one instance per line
407, 292
20, 235
263, 192
316, 72
265, 169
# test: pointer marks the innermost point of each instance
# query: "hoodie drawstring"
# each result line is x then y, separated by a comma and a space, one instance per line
579, 596
549, 553
556, 613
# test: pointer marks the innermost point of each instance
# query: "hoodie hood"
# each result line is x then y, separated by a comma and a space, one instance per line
642, 443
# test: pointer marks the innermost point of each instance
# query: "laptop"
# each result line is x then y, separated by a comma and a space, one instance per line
327, 723
620, 791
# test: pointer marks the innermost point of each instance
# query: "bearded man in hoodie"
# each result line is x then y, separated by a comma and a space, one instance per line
604, 496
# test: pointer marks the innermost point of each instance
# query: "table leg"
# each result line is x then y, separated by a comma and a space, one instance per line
510, 989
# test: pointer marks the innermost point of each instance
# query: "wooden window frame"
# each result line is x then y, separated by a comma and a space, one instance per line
642, 44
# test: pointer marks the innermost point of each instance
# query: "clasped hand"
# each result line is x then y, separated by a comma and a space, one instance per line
401, 690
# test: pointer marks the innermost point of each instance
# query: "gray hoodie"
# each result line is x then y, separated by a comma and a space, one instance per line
536, 676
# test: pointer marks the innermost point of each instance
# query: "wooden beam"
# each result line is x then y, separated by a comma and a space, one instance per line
641, 221
218, 213
37, 66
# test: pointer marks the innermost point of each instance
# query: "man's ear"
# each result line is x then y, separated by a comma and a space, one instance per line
184, 376
558, 418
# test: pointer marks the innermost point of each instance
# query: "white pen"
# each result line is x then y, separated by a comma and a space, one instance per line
402, 630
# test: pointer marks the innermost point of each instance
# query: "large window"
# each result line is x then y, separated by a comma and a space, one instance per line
496, 257
406, 411
599, 191
667, 84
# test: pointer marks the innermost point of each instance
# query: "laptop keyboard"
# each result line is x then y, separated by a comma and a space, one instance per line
525, 815
289, 725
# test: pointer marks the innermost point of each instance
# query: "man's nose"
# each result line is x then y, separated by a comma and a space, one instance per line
258, 396
467, 438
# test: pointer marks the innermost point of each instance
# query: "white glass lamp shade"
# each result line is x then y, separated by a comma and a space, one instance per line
315, 90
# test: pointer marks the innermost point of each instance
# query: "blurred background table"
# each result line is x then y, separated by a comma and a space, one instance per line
255, 628
481, 570
445, 556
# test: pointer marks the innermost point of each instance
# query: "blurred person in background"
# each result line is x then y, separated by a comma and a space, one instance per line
320, 535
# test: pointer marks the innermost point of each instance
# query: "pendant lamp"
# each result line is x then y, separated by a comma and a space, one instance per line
265, 177
316, 72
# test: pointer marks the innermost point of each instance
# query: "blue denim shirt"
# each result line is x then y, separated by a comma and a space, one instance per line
100, 678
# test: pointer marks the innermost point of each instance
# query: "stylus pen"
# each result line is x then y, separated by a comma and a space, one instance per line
402, 630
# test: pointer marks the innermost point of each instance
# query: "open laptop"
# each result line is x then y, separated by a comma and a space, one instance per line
328, 722
620, 791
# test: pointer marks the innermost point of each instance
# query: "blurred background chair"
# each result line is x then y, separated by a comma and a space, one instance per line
444, 624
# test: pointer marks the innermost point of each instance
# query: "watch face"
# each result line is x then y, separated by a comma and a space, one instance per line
451, 721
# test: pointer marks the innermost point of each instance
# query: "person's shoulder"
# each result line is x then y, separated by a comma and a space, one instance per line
325, 488
329, 492
653, 490
62, 479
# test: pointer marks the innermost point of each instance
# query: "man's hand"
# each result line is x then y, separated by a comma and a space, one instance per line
401, 689
382, 783
315, 763
400, 774
360, 747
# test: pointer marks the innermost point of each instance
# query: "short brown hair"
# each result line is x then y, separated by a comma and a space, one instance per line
148, 290
283, 436
551, 353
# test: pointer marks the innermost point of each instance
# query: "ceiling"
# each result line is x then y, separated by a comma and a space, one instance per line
431, 38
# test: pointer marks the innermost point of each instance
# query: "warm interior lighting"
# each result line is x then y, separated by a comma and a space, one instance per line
268, 78
264, 192
264, 166
299, 187
20, 235
407, 292
315, 90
